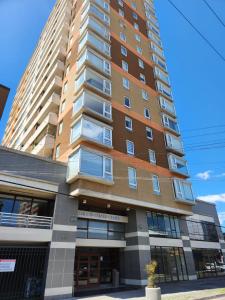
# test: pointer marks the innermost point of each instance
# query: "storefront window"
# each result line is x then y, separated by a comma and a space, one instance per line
6, 203
163, 225
209, 262
171, 263
90, 229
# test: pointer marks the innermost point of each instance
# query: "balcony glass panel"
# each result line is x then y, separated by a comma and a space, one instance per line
93, 131
95, 42
170, 123
183, 190
85, 162
94, 80
178, 164
164, 89
167, 105
96, 26
96, 60
174, 143
92, 9
161, 75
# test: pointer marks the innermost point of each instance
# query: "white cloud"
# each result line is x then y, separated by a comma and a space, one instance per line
222, 217
213, 198
204, 175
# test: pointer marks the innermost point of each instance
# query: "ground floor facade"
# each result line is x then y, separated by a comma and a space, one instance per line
55, 246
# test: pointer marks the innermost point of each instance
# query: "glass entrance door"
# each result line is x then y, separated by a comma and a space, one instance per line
88, 270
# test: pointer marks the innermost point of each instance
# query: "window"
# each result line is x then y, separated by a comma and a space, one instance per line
139, 50
88, 163
63, 106
123, 36
121, 12
149, 133
174, 143
128, 123
125, 66
152, 156
67, 70
127, 102
120, 2
183, 190
141, 63
133, 5
135, 16
136, 26
126, 83
94, 103
142, 78
161, 75
95, 41
145, 95
123, 51
170, 123
165, 90
60, 127
137, 37
177, 164
92, 130
130, 147
155, 184
57, 151
147, 113
132, 177
167, 105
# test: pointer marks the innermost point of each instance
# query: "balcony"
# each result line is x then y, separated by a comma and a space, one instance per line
45, 146
91, 39
167, 106
177, 164
25, 221
164, 89
174, 143
92, 130
94, 105
90, 57
93, 80
101, 3
96, 26
183, 191
50, 119
90, 165
170, 123
93, 10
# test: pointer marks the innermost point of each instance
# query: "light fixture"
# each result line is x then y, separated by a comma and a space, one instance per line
84, 201
128, 209
108, 205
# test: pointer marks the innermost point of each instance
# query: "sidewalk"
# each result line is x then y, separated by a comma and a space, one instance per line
204, 289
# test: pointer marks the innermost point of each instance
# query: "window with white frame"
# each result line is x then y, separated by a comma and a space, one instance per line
89, 163
142, 78
63, 106
136, 26
170, 123
123, 36
155, 184
121, 12
183, 190
139, 50
65, 87
147, 114
125, 66
167, 105
128, 123
135, 16
57, 151
149, 133
132, 177
137, 37
152, 156
145, 95
120, 2
130, 147
141, 63
60, 128
126, 83
123, 51
134, 5
127, 102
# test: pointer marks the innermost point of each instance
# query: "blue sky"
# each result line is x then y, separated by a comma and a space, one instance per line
196, 73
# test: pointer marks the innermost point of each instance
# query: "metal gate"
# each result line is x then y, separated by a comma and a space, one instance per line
27, 281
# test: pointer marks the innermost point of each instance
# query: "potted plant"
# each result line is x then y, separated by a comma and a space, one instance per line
152, 292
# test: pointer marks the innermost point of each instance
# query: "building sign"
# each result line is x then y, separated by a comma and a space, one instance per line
101, 216
7, 265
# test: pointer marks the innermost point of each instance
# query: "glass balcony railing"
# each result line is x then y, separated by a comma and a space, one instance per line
177, 164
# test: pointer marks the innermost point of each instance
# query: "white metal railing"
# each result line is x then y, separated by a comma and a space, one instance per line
26, 221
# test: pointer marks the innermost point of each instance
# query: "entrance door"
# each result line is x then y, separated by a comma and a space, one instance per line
88, 270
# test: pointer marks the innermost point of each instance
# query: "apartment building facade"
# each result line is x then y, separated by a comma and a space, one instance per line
96, 97
54, 247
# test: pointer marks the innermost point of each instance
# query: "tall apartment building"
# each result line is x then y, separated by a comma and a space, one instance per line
96, 96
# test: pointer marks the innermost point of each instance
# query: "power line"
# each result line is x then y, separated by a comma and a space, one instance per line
214, 12
197, 30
